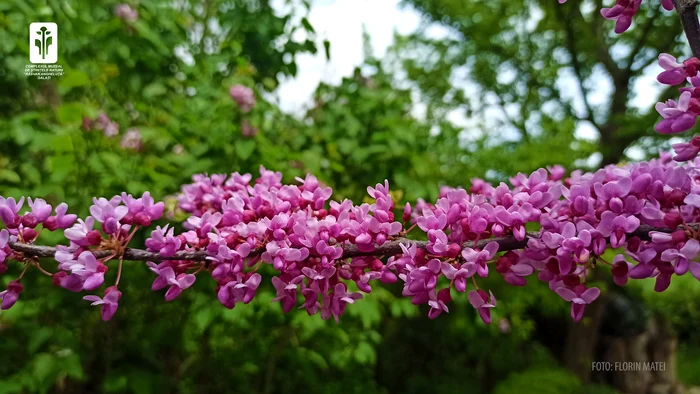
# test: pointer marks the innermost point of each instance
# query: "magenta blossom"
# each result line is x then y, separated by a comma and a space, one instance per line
676, 73
334, 304
579, 298
238, 291
286, 291
678, 117
243, 96
9, 297
616, 227
438, 302
164, 241
622, 13
687, 150
109, 302
126, 13
481, 257
132, 140
459, 275
620, 270
482, 303
177, 283
682, 257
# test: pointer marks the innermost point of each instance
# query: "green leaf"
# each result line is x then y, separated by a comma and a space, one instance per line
9, 176
244, 149
327, 49
153, 90
307, 25
44, 366
72, 79
70, 113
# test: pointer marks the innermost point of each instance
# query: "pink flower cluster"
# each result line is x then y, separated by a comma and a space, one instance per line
126, 13
102, 122
325, 254
624, 10
682, 115
23, 228
243, 225
243, 96
678, 115
119, 218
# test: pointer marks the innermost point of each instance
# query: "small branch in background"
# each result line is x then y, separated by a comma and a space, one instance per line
688, 12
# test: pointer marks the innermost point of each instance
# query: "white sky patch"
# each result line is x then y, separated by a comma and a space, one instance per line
341, 21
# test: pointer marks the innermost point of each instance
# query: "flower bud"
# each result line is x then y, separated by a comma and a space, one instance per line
29, 234
94, 237
142, 219
51, 223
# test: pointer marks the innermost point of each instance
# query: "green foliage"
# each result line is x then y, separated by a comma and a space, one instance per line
689, 365
524, 71
358, 133
552, 380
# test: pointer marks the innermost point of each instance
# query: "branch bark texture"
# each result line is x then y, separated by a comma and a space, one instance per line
388, 249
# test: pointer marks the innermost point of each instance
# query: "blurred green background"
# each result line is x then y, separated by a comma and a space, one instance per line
540, 84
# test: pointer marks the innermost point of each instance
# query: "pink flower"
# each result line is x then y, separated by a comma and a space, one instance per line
678, 117
111, 129
286, 291
109, 215
620, 270
177, 283
459, 275
622, 12
61, 220
687, 150
82, 233
334, 304
616, 227
8, 211
676, 73
438, 302
132, 140
9, 297
682, 257
238, 291
126, 13
481, 257
482, 303
243, 96
579, 298
248, 130
109, 302
163, 241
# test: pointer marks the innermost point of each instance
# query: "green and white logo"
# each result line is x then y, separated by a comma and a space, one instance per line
43, 42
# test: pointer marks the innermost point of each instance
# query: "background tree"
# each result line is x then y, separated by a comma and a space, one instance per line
539, 68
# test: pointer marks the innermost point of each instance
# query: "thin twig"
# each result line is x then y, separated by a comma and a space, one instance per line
390, 248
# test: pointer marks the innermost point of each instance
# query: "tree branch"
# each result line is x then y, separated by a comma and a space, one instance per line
646, 28
388, 249
576, 65
688, 12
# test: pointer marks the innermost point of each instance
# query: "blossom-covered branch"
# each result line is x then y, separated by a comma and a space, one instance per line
331, 253
349, 251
